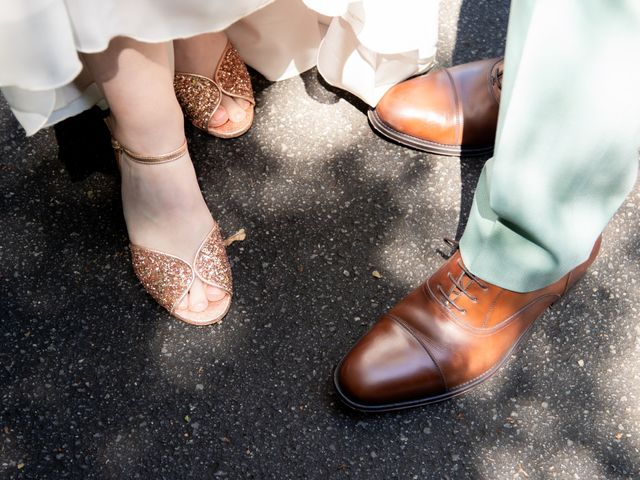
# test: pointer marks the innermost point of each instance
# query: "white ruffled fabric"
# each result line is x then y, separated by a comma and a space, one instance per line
363, 46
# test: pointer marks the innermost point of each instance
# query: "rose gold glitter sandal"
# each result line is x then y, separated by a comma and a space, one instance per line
200, 96
167, 277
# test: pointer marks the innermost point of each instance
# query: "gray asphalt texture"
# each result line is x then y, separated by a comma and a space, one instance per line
98, 382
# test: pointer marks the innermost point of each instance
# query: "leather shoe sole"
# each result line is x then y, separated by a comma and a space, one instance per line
424, 145
391, 407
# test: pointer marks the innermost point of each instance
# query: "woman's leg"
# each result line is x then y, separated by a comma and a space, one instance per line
200, 54
163, 206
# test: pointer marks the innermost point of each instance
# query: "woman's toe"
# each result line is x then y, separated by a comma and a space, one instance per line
215, 294
219, 117
198, 297
242, 103
184, 303
236, 114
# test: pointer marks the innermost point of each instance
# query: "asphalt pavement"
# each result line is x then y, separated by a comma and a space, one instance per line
98, 382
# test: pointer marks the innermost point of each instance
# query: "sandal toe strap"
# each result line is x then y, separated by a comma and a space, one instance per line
212, 264
165, 277
168, 278
198, 96
232, 75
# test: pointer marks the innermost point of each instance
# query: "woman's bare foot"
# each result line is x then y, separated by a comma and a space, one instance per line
165, 211
200, 55
163, 206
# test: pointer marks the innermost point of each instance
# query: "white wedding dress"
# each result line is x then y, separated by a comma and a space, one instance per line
363, 46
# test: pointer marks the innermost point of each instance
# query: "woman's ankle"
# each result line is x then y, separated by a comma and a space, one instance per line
198, 54
149, 133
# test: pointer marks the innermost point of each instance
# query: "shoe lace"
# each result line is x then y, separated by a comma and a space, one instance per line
457, 282
453, 246
497, 77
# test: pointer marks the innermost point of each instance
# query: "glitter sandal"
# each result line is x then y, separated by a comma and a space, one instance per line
200, 96
168, 278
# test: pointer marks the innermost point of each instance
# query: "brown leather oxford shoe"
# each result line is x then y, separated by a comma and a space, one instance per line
448, 111
446, 337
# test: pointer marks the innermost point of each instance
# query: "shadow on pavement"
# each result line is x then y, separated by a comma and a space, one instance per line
97, 381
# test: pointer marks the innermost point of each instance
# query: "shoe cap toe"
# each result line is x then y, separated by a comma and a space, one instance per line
387, 366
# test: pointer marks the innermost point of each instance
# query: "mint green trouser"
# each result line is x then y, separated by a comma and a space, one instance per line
567, 143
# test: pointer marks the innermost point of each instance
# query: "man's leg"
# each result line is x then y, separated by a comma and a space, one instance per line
566, 156
567, 143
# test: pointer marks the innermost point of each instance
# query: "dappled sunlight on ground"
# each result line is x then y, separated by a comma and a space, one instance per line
98, 381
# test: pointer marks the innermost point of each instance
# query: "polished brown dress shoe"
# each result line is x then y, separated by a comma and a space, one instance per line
448, 111
446, 337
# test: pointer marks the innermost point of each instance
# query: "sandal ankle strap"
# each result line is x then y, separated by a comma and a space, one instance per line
148, 159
